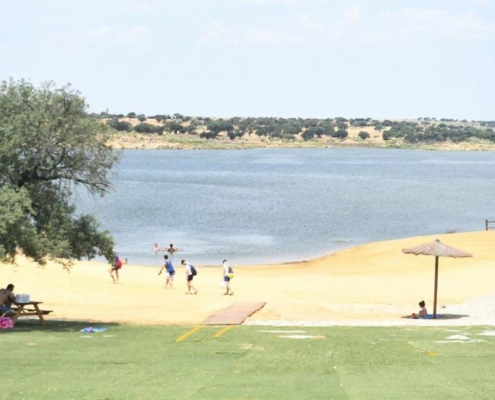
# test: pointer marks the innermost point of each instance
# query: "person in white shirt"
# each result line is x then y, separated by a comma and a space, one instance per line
228, 274
189, 275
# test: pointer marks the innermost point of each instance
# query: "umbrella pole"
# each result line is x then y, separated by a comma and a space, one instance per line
436, 289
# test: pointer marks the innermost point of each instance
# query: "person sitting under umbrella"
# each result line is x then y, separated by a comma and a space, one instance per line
423, 313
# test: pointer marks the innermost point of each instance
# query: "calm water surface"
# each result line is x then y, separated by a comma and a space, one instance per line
276, 205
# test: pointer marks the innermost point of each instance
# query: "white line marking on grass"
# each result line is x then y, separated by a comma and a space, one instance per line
461, 341
457, 337
301, 337
487, 333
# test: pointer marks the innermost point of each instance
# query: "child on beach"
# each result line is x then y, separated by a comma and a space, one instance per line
423, 313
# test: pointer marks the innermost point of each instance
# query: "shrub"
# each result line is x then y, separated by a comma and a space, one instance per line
364, 135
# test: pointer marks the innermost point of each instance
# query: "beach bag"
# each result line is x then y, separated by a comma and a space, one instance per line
6, 323
230, 274
193, 270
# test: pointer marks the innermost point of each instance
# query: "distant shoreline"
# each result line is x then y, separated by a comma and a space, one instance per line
137, 141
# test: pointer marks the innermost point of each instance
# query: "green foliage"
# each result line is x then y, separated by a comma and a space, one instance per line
49, 145
308, 134
340, 133
174, 127
16, 228
121, 126
220, 126
148, 128
141, 117
364, 135
208, 135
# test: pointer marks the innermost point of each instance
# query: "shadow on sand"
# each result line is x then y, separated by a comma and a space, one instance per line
440, 317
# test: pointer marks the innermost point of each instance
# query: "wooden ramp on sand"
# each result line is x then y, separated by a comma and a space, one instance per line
235, 314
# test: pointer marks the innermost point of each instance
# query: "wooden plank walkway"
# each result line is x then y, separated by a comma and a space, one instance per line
235, 314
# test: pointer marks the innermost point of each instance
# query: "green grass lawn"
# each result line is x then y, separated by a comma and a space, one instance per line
246, 362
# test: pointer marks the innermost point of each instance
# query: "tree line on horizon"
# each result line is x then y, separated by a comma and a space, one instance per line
421, 130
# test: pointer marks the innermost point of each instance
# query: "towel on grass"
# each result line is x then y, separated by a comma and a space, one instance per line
91, 329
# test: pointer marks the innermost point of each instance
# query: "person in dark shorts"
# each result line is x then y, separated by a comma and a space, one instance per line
189, 277
228, 274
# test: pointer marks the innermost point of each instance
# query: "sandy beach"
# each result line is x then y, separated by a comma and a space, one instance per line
373, 284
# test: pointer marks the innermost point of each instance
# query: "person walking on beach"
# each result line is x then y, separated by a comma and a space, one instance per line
115, 266
167, 264
190, 273
228, 274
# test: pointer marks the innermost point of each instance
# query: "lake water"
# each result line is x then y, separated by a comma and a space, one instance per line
277, 205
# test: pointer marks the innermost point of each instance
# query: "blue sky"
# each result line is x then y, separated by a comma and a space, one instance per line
287, 58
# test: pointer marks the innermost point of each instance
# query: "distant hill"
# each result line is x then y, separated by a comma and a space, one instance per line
178, 131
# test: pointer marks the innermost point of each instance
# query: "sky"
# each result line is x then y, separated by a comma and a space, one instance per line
277, 58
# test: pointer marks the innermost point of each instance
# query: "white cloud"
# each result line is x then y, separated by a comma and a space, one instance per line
220, 31
100, 33
137, 34
143, 5
413, 21
268, 2
267, 37
353, 14
480, 3
352, 27
4, 50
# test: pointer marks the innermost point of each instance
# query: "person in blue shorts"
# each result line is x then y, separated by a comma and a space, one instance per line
167, 264
7, 298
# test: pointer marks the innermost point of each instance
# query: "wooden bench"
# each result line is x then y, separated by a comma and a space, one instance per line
32, 311
25, 310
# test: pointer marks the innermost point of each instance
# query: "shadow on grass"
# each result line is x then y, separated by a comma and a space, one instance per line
30, 325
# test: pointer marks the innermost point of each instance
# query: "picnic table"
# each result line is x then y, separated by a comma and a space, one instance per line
30, 308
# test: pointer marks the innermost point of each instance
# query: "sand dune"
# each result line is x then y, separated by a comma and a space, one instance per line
372, 283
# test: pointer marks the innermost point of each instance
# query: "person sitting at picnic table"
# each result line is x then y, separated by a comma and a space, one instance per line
7, 298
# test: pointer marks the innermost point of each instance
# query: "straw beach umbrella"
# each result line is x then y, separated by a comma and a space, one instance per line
437, 249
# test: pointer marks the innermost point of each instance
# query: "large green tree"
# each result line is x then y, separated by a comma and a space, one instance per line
48, 146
